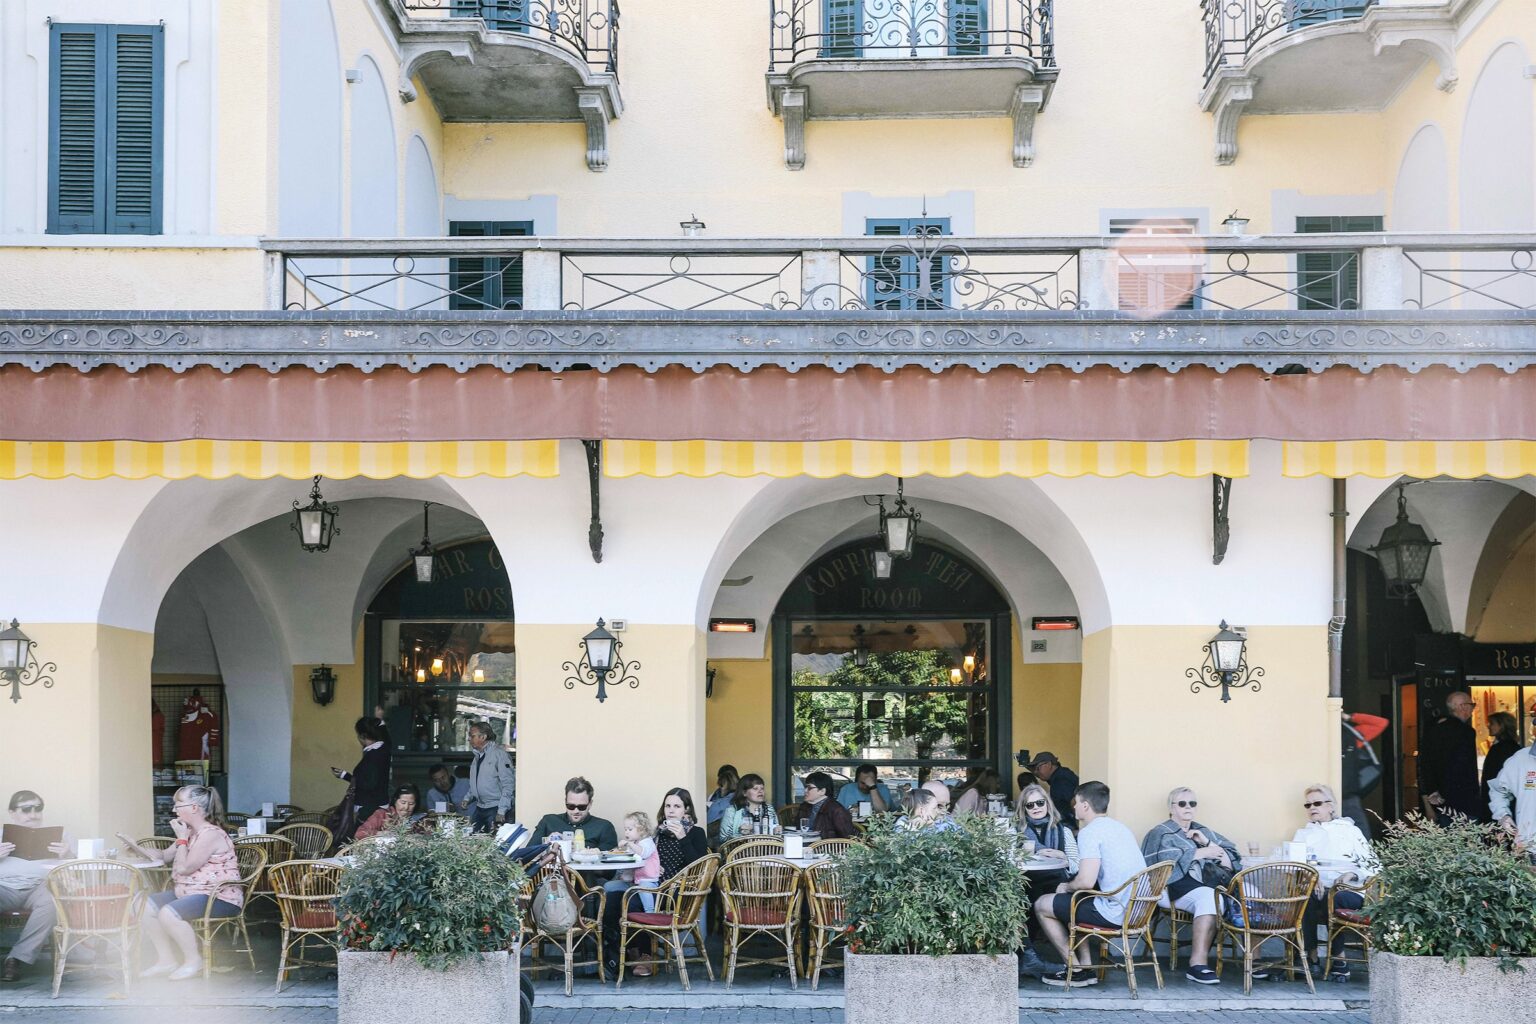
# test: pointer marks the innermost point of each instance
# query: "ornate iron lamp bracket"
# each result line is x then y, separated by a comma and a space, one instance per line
594, 485
1221, 524
621, 674
1208, 676
29, 674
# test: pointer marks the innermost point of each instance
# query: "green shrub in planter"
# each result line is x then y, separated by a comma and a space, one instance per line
935, 893
445, 898
1456, 891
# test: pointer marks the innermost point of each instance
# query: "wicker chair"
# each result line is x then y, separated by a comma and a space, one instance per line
679, 905
278, 849
1271, 900
762, 898
1177, 921
1354, 926
789, 815
156, 879
97, 900
306, 898
752, 846
309, 841
829, 915
590, 903
1142, 891
234, 821
286, 810
253, 861
831, 847
305, 818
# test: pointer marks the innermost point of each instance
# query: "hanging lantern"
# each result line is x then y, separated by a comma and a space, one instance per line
898, 527
1403, 552
883, 565
315, 523
860, 648
424, 556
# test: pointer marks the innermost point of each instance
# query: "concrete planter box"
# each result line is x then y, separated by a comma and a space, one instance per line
1427, 990
394, 988
972, 988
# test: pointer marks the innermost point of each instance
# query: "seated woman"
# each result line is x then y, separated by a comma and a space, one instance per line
1041, 821
749, 813
679, 842
203, 868
727, 782
1332, 838
1202, 858
973, 799
400, 811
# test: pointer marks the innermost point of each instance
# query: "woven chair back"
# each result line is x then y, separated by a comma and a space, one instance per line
1273, 897
309, 841
763, 891
832, 847
96, 896
690, 889
829, 907
306, 894
753, 846
1143, 892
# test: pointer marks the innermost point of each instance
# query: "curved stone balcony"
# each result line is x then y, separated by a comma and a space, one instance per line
514, 60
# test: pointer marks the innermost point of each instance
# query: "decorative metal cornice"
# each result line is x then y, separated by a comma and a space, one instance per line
841, 339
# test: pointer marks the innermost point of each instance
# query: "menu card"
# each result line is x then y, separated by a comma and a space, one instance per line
32, 843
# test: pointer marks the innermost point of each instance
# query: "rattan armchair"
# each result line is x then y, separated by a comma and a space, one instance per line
1178, 920
1351, 927
752, 846
590, 903
679, 905
286, 810
305, 818
305, 891
156, 878
1270, 901
252, 861
829, 915
234, 821
1140, 894
278, 849
310, 841
762, 898
831, 847
96, 900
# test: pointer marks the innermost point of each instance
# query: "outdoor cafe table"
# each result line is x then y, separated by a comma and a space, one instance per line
599, 865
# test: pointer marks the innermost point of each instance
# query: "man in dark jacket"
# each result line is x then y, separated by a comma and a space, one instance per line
1061, 780
1448, 763
828, 818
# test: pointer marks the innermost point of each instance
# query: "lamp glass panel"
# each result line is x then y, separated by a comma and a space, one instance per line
600, 653
423, 568
310, 524
883, 564
898, 535
1229, 654
12, 651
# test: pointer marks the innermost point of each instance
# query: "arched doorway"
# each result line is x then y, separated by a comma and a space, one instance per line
441, 655
911, 673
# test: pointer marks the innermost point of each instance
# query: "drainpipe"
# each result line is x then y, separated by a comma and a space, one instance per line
1336, 623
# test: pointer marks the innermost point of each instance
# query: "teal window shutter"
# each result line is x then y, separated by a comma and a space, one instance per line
1330, 280
967, 28
106, 129
77, 149
894, 279
499, 15
842, 28
486, 282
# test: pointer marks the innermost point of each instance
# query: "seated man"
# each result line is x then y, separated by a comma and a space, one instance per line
22, 888
447, 789
599, 832
866, 786
1108, 855
828, 818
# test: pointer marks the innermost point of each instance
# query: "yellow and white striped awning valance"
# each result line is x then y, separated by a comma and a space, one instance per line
924, 458
298, 460
1463, 460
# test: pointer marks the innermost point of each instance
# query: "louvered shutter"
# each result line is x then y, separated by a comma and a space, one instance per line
499, 15
895, 280
135, 116
883, 284
967, 28
842, 28
1330, 280
77, 150
510, 278
486, 282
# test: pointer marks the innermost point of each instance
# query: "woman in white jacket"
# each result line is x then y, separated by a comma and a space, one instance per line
1329, 837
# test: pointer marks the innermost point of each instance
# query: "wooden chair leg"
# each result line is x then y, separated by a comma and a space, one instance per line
1306, 967
623, 949
282, 961
732, 936
789, 955
682, 959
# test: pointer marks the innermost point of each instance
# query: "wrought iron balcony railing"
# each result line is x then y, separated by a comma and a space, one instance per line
869, 29
587, 29
1235, 28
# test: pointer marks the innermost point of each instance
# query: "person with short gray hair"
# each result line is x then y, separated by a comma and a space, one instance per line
1202, 859
491, 780
1448, 764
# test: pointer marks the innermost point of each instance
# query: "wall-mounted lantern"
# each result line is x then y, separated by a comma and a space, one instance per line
601, 658
860, 648
18, 666
1226, 665
322, 683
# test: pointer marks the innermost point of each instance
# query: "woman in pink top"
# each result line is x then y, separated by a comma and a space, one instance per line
203, 867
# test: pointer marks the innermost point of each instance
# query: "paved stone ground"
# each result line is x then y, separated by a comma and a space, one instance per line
326, 1015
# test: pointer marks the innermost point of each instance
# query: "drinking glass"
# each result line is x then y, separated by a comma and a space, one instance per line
1253, 849
805, 825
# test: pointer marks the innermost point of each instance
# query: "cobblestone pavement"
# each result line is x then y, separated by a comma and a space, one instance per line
326, 1015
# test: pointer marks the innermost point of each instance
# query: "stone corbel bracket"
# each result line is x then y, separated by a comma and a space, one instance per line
596, 110
791, 103
1435, 38
413, 56
1028, 101
1226, 97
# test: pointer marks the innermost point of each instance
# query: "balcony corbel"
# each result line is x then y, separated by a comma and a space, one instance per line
1229, 94
1431, 37
1028, 100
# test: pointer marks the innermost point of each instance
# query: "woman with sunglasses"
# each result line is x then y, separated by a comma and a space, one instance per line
1040, 821
1202, 859
1331, 838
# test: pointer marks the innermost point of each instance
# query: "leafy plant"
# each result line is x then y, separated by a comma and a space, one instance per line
934, 892
444, 897
1453, 891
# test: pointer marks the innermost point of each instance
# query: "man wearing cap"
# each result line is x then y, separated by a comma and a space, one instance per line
1061, 780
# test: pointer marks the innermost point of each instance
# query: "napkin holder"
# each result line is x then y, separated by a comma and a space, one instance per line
269, 810
794, 846
866, 808
439, 807
1295, 851
90, 849
255, 826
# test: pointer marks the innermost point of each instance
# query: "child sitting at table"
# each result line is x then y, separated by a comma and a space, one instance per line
638, 842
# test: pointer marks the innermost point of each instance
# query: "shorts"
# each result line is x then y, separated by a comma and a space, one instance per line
1087, 911
190, 908
1197, 902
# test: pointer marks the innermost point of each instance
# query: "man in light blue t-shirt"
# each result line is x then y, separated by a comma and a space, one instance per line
866, 786
1108, 855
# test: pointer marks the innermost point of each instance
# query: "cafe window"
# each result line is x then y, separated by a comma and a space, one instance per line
442, 655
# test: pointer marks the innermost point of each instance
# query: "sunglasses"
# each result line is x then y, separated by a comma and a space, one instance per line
1317, 803
1034, 803
1187, 803
30, 808
577, 807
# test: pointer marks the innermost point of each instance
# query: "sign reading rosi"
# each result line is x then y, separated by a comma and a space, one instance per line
1499, 659
469, 580
932, 582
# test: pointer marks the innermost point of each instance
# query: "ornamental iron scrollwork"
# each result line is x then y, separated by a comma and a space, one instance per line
29, 672
588, 29
1235, 28
1221, 522
873, 29
620, 674
1208, 676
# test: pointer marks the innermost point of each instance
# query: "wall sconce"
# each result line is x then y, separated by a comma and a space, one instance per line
601, 658
709, 680
421, 675
17, 664
437, 666
478, 675
1235, 225
1226, 665
969, 663
315, 523
424, 556
322, 683
956, 677
692, 227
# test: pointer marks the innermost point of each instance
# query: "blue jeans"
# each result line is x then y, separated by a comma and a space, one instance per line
482, 819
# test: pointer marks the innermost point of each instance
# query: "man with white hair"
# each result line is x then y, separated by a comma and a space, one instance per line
1448, 763
1512, 797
